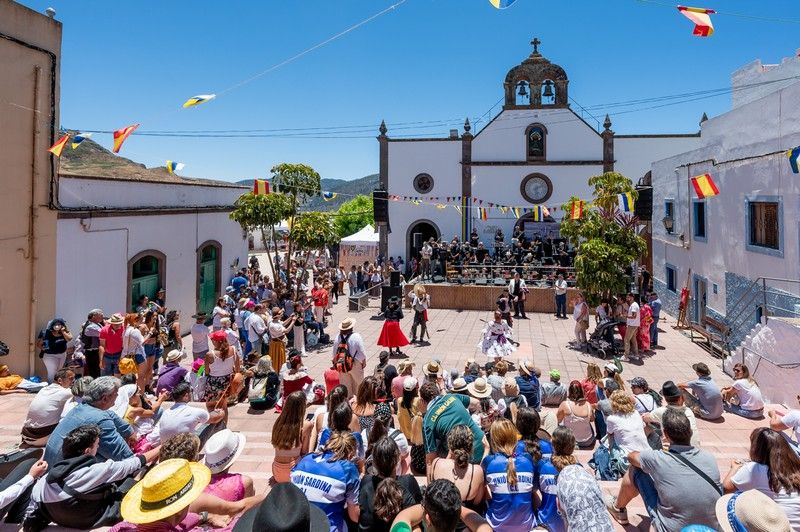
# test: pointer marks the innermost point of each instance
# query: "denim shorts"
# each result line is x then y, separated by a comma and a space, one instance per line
152, 350
111, 364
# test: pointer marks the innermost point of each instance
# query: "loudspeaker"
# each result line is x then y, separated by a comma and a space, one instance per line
389, 291
394, 279
643, 208
416, 240
438, 279
380, 206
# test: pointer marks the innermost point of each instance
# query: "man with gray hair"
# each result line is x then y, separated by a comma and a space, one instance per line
97, 399
90, 338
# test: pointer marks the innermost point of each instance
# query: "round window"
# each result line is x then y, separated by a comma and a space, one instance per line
423, 183
536, 188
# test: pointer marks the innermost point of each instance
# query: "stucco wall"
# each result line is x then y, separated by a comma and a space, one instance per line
634, 155
27, 127
762, 79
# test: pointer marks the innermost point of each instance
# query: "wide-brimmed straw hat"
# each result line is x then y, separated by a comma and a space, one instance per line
165, 490
286, 508
175, 355
752, 511
433, 368
460, 385
510, 387
347, 324
527, 368
479, 388
200, 315
222, 449
116, 319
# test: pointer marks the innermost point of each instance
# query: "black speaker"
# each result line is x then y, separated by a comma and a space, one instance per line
380, 206
643, 208
389, 291
394, 279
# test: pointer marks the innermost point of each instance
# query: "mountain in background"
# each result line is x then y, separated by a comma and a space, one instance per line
346, 191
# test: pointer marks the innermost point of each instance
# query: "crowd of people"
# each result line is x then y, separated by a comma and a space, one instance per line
138, 440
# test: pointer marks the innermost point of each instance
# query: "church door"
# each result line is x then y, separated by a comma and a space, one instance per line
207, 279
145, 279
419, 233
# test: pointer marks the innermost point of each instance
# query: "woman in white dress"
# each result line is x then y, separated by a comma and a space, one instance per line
496, 342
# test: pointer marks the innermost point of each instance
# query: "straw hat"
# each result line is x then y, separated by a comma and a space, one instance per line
116, 319
164, 491
347, 324
527, 368
479, 388
433, 368
510, 387
200, 315
222, 449
175, 355
460, 385
752, 511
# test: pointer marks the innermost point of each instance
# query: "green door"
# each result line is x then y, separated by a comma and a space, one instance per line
144, 279
207, 279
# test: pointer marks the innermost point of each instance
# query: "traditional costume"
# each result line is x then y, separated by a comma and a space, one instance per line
392, 335
496, 342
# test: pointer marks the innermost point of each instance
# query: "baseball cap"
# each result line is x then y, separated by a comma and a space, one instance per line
639, 382
555, 374
409, 383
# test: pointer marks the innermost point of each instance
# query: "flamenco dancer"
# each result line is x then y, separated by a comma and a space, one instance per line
420, 301
392, 335
496, 343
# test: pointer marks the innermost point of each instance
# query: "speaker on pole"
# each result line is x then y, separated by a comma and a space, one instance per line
380, 206
394, 279
643, 208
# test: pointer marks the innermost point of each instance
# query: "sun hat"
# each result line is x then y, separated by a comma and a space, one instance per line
347, 324
669, 390
460, 385
116, 319
433, 368
165, 490
639, 382
222, 449
555, 374
218, 336
285, 509
479, 388
230, 289
611, 368
701, 368
409, 383
510, 387
752, 511
199, 315
175, 355
527, 368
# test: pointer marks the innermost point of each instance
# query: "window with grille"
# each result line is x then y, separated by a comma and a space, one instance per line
764, 224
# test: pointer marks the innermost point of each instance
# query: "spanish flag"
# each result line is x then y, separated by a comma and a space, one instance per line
625, 202
700, 17
58, 147
540, 212
704, 186
501, 4
793, 155
121, 135
328, 196
576, 210
484, 213
260, 187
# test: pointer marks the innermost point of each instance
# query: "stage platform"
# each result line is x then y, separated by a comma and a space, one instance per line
481, 297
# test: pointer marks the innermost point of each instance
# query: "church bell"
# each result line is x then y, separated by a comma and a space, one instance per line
522, 90
548, 89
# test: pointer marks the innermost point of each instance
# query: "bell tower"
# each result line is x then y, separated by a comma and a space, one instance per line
536, 83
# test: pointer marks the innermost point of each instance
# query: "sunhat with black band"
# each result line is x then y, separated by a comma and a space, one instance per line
222, 449
286, 509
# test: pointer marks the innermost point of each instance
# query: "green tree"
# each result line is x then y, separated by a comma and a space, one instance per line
262, 213
313, 231
299, 182
354, 215
606, 238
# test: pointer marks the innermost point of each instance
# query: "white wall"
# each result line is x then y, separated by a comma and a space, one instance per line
635, 155
93, 255
112, 193
762, 79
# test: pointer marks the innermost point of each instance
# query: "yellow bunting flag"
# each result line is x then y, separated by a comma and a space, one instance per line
576, 209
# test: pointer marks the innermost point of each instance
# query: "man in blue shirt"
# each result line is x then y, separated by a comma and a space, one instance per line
655, 306
239, 282
99, 396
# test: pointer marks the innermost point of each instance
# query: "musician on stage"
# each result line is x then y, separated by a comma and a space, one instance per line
519, 293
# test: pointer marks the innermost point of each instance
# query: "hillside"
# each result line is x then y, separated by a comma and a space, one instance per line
346, 190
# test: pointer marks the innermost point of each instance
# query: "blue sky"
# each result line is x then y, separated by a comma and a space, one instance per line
428, 60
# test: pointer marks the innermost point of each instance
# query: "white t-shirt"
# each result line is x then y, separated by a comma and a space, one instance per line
577, 311
791, 420
628, 432
133, 341
749, 394
561, 287
634, 322
46, 407
180, 418
657, 415
753, 475
217, 316
644, 403
199, 338
255, 326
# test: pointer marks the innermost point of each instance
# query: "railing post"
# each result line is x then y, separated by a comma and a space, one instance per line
765, 313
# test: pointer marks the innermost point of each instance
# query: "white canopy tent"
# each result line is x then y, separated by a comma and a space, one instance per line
359, 247
366, 236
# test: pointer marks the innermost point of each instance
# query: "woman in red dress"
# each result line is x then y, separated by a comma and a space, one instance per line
392, 335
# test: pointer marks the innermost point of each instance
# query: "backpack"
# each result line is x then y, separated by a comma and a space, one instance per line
343, 360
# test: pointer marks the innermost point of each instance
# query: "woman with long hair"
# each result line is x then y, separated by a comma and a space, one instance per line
343, 420
773, 469
332, 466
322, 414
173, 325
743, 397
643, 334
593, 377
133, 343
577, 415
420, 301
290, 436
364, 402
410, 420
391, 334
296, 378
528, 424
219, 312
52, 343
152, 348
222, 365
541, 450
625, 426
509, 478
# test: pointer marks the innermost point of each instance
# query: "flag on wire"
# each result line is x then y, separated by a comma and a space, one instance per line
704, 186
457, 208
516, 211
484, 212
700, 17
260, 187
199, 99
540, 213
625, 202
328, 196
441, 206
793, 155
121, 135
58, 147
501, 4
173, 167
576, 210
503, 209
78, 138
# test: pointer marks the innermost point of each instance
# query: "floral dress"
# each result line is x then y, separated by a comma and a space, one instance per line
643, 336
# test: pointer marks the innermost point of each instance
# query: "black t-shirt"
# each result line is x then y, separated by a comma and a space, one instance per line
368, 521
54, 345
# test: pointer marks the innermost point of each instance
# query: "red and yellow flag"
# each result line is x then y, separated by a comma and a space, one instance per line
484, 213
704, 186
260, 187
58, 147
700, 17
121, 135
576, 210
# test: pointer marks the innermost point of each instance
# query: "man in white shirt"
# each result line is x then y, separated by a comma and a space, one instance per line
674, 398
255, 327
519, 292
779, 421
45, 410
632, 327
561, 297
355, 346
199, 336
425, 262
580, 312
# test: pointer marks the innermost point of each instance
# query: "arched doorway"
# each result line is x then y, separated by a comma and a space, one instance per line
208, 275
419, 232
146, 274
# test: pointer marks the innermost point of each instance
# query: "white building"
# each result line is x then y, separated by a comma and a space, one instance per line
751, 230
124, 230
536, 151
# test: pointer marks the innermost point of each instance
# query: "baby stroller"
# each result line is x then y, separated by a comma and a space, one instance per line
601, 341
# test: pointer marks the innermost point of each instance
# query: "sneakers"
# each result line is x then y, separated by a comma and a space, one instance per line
620, 515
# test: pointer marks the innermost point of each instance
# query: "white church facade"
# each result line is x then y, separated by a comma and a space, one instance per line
536, 151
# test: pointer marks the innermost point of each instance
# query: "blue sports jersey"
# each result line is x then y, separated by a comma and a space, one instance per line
329, 485
510, 509
544, 446
325, 435
547, 514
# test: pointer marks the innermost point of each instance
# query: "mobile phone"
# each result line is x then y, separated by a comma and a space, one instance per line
310, 416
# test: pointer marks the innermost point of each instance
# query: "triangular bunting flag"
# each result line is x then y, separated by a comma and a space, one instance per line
121, 135
328, 196
700, 17
58, 147
457, 208
260, 187
576, 209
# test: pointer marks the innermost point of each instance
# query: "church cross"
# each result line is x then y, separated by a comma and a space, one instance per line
536, 42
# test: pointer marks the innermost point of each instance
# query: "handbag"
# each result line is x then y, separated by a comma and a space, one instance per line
127, 364
716, 485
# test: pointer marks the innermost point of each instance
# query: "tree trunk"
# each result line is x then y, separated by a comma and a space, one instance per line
266, 246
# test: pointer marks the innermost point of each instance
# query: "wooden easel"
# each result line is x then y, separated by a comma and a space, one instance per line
683, 305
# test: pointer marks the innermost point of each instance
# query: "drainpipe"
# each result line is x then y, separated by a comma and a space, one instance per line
31, 252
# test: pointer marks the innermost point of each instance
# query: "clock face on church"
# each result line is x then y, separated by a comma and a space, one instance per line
536, 188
